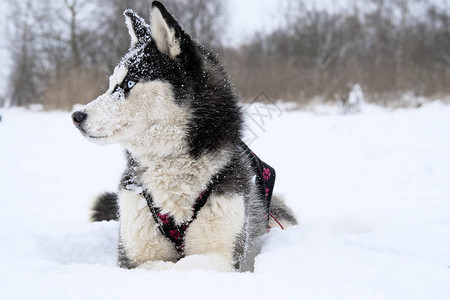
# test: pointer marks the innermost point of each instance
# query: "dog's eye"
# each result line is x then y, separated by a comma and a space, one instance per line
130, 84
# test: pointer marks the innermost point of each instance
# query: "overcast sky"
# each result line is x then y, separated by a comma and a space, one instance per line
247, 17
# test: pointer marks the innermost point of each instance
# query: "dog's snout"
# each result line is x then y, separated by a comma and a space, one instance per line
78, 117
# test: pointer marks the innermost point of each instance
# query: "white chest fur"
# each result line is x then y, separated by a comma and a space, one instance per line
175, 184
214, 231
139, 233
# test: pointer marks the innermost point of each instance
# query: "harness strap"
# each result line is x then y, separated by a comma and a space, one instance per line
265, 174
166, 224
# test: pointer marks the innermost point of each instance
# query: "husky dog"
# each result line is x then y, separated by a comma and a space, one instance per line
190, 196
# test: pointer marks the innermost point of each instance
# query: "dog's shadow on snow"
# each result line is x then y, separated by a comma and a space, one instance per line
87, 244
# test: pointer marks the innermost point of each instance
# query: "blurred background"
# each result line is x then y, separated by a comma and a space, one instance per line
60, 52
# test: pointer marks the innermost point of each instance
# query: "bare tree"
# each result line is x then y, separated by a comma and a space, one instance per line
23, 82
62, 50
74, 7
387, 50
112, 38
204, 20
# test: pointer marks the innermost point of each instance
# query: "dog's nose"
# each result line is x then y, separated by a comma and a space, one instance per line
78, 117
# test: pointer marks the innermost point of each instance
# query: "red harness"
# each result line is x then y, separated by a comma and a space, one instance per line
166, 224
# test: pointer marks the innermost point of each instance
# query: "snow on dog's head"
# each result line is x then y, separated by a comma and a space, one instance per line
166, 94
140, 105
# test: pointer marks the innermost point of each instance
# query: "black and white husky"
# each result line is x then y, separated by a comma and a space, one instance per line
191, 195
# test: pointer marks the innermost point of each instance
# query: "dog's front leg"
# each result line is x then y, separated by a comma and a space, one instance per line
211, 239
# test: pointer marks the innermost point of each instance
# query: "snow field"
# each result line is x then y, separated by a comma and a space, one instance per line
370, 190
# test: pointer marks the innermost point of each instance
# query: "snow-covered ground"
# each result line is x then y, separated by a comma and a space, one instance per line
371, 190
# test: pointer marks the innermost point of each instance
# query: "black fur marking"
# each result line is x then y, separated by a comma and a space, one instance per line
170, 20
128, 180
199, 82
105, 208
216, 120
123, 260
233, 178
150, 65
140, 28
124, 86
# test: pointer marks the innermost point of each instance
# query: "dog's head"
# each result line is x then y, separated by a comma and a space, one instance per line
166, 94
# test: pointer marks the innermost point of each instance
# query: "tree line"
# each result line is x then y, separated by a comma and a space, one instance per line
63, 51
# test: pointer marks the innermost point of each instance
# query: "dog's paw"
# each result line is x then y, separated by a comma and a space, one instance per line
213, 262
157, 265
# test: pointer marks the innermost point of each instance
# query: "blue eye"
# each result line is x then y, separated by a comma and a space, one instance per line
130, 84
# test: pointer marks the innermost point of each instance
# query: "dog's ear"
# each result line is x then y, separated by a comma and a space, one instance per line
165, 30
137, 28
